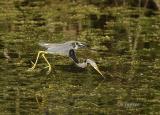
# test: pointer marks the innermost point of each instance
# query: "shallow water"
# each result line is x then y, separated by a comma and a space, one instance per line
72, 90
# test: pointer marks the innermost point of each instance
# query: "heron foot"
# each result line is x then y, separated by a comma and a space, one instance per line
32, 62
33, 66
49, 69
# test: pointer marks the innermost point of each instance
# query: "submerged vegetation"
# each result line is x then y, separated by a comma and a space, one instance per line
124, 39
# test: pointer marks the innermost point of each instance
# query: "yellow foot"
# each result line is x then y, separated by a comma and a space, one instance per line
33, 67
32, 62
48, 72
49, 69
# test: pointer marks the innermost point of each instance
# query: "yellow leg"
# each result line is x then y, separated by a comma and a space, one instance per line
49, 65
34, 64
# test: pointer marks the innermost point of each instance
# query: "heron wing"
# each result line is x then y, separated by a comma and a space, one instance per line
73, 56
49, 45
60, 48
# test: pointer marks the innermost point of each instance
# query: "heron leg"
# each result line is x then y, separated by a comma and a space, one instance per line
49, 65
34, 64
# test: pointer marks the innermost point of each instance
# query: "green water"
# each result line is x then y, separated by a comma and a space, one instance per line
126, 50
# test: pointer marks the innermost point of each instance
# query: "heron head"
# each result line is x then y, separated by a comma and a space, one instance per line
78, 44
94, 65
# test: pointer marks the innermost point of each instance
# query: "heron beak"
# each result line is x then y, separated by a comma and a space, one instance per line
97, 69
94, 65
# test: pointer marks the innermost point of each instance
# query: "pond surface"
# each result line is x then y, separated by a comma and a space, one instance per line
132, 84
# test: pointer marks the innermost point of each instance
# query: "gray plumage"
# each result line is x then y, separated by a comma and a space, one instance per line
61, 48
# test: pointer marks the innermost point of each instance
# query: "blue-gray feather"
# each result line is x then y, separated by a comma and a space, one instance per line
58, 48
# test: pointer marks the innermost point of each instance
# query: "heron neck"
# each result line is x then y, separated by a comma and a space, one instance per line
82, 65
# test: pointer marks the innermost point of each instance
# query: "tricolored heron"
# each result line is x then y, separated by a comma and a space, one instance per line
65, 49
